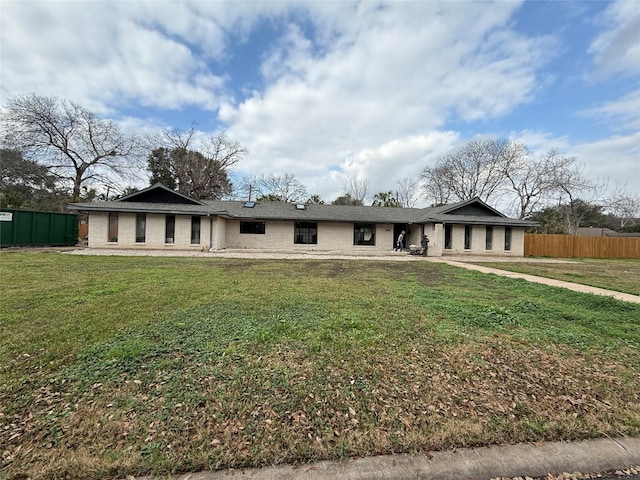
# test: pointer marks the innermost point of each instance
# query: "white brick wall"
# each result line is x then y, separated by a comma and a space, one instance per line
478, 241
280, 235
155, 232
219, 226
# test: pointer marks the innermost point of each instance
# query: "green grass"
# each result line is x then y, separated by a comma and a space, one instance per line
611, 274
114, 366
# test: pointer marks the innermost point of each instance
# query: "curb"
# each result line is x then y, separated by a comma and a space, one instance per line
531, 460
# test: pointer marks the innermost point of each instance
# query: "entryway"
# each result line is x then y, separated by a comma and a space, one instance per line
398, 228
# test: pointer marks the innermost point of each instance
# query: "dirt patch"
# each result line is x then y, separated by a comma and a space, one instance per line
390, 255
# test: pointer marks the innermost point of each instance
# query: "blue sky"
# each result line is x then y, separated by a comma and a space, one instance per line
330, 90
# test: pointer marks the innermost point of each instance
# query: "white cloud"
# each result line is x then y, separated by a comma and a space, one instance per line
622, 114
616, 159
617, 48
613, 160
366, 89
389, 75
539, 142
108, 55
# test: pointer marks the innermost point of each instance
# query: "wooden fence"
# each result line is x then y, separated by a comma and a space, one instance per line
540, 245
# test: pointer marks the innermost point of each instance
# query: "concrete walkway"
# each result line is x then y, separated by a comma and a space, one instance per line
576, 287
523, 460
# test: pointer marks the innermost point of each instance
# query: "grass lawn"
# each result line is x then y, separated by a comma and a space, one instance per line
115, 366
612, 274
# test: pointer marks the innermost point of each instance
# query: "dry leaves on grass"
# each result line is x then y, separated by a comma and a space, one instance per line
287, 406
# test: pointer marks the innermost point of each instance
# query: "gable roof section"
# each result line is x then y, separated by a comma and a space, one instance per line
159, 193
156, 199
473, 211
475, 206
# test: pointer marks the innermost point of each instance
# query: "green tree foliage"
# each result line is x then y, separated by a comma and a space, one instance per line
27, 184
551, 220
315, 200
270, 197
159, 164
201, 173
347, 199
589, 214
562, 218
385, 199
189, 172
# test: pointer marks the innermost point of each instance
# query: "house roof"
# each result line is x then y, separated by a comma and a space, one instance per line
159, 193
313, 212
473, 211
154, 200
602, 232
142, 207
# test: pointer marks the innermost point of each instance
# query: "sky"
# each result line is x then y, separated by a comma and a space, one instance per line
331, 90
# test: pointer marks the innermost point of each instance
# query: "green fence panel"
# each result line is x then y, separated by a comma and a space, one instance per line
27, 228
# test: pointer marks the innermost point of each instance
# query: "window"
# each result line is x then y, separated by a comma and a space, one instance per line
364, 234
252, 227
249, 204
467, 237
306, 233
195, 230
141, 227
301, 206
447, 237
170, 229
507, 238
113, 227
488, 244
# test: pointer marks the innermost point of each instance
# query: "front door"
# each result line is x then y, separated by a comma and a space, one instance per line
397, 230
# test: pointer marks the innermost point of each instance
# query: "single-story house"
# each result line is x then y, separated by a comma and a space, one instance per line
160, 218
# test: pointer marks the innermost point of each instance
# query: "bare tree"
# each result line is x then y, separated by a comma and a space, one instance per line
226, 153
175, 138
624, 206
248, 188
407, 192
357, 189
282, 188
480, 168
532, 181
71, 141
476, 170
573, 188
436, 184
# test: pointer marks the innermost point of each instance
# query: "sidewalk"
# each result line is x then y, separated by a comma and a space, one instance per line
576, 287
523, 460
